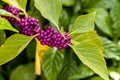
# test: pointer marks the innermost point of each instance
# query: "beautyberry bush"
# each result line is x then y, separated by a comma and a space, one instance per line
52, 37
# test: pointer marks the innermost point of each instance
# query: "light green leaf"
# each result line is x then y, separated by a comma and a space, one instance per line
4, 24
92, 57
50, 9
13, 46
82, 72
2, 37
68, 3
5, 13
89, 37
112, 50
52, 63
69, 66
83, 24
20, 4
23, 72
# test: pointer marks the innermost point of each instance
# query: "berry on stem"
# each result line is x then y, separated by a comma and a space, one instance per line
29, 26
12, 10
52, 38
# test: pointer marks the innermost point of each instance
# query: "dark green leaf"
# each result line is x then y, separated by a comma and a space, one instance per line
103, 21
31, 50
52, 63
82, 72
112, 50
23, 72
95, 78
2, 37
13, 46
4, 24
50, 9
91, 56
64, 19
97, 3
69, 67
115, 10
1, 77
83, 23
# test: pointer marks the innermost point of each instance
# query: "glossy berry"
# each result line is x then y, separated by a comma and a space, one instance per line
52, 38
12, 10
29, 26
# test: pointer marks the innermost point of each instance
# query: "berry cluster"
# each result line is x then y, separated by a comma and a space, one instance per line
29, 26
52, 38
12, 10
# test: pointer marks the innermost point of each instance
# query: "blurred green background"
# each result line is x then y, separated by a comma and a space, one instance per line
107, 25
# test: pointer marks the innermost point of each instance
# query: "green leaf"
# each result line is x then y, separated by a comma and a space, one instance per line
50, 9
82, 72
89, 37
68, 3
52, 63
87, 4
4, 24
23, 72
20, 4
83, 23
64, 19
33, 12
2, 37
103, 21
69, 67
112, 50
115, 10
92, 57
1, 77
31, 50
13, 46
5, 13
95, 78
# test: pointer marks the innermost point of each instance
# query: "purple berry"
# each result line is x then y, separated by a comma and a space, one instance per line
52, 38
29, 26
12, 10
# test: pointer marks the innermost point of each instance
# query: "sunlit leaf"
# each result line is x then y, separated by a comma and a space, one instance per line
5, 13
83, 23
13, 46
89, 37
50, 9
20, 4
92, 57
4, 24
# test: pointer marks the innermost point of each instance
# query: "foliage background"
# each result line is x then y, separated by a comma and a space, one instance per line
107, 24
